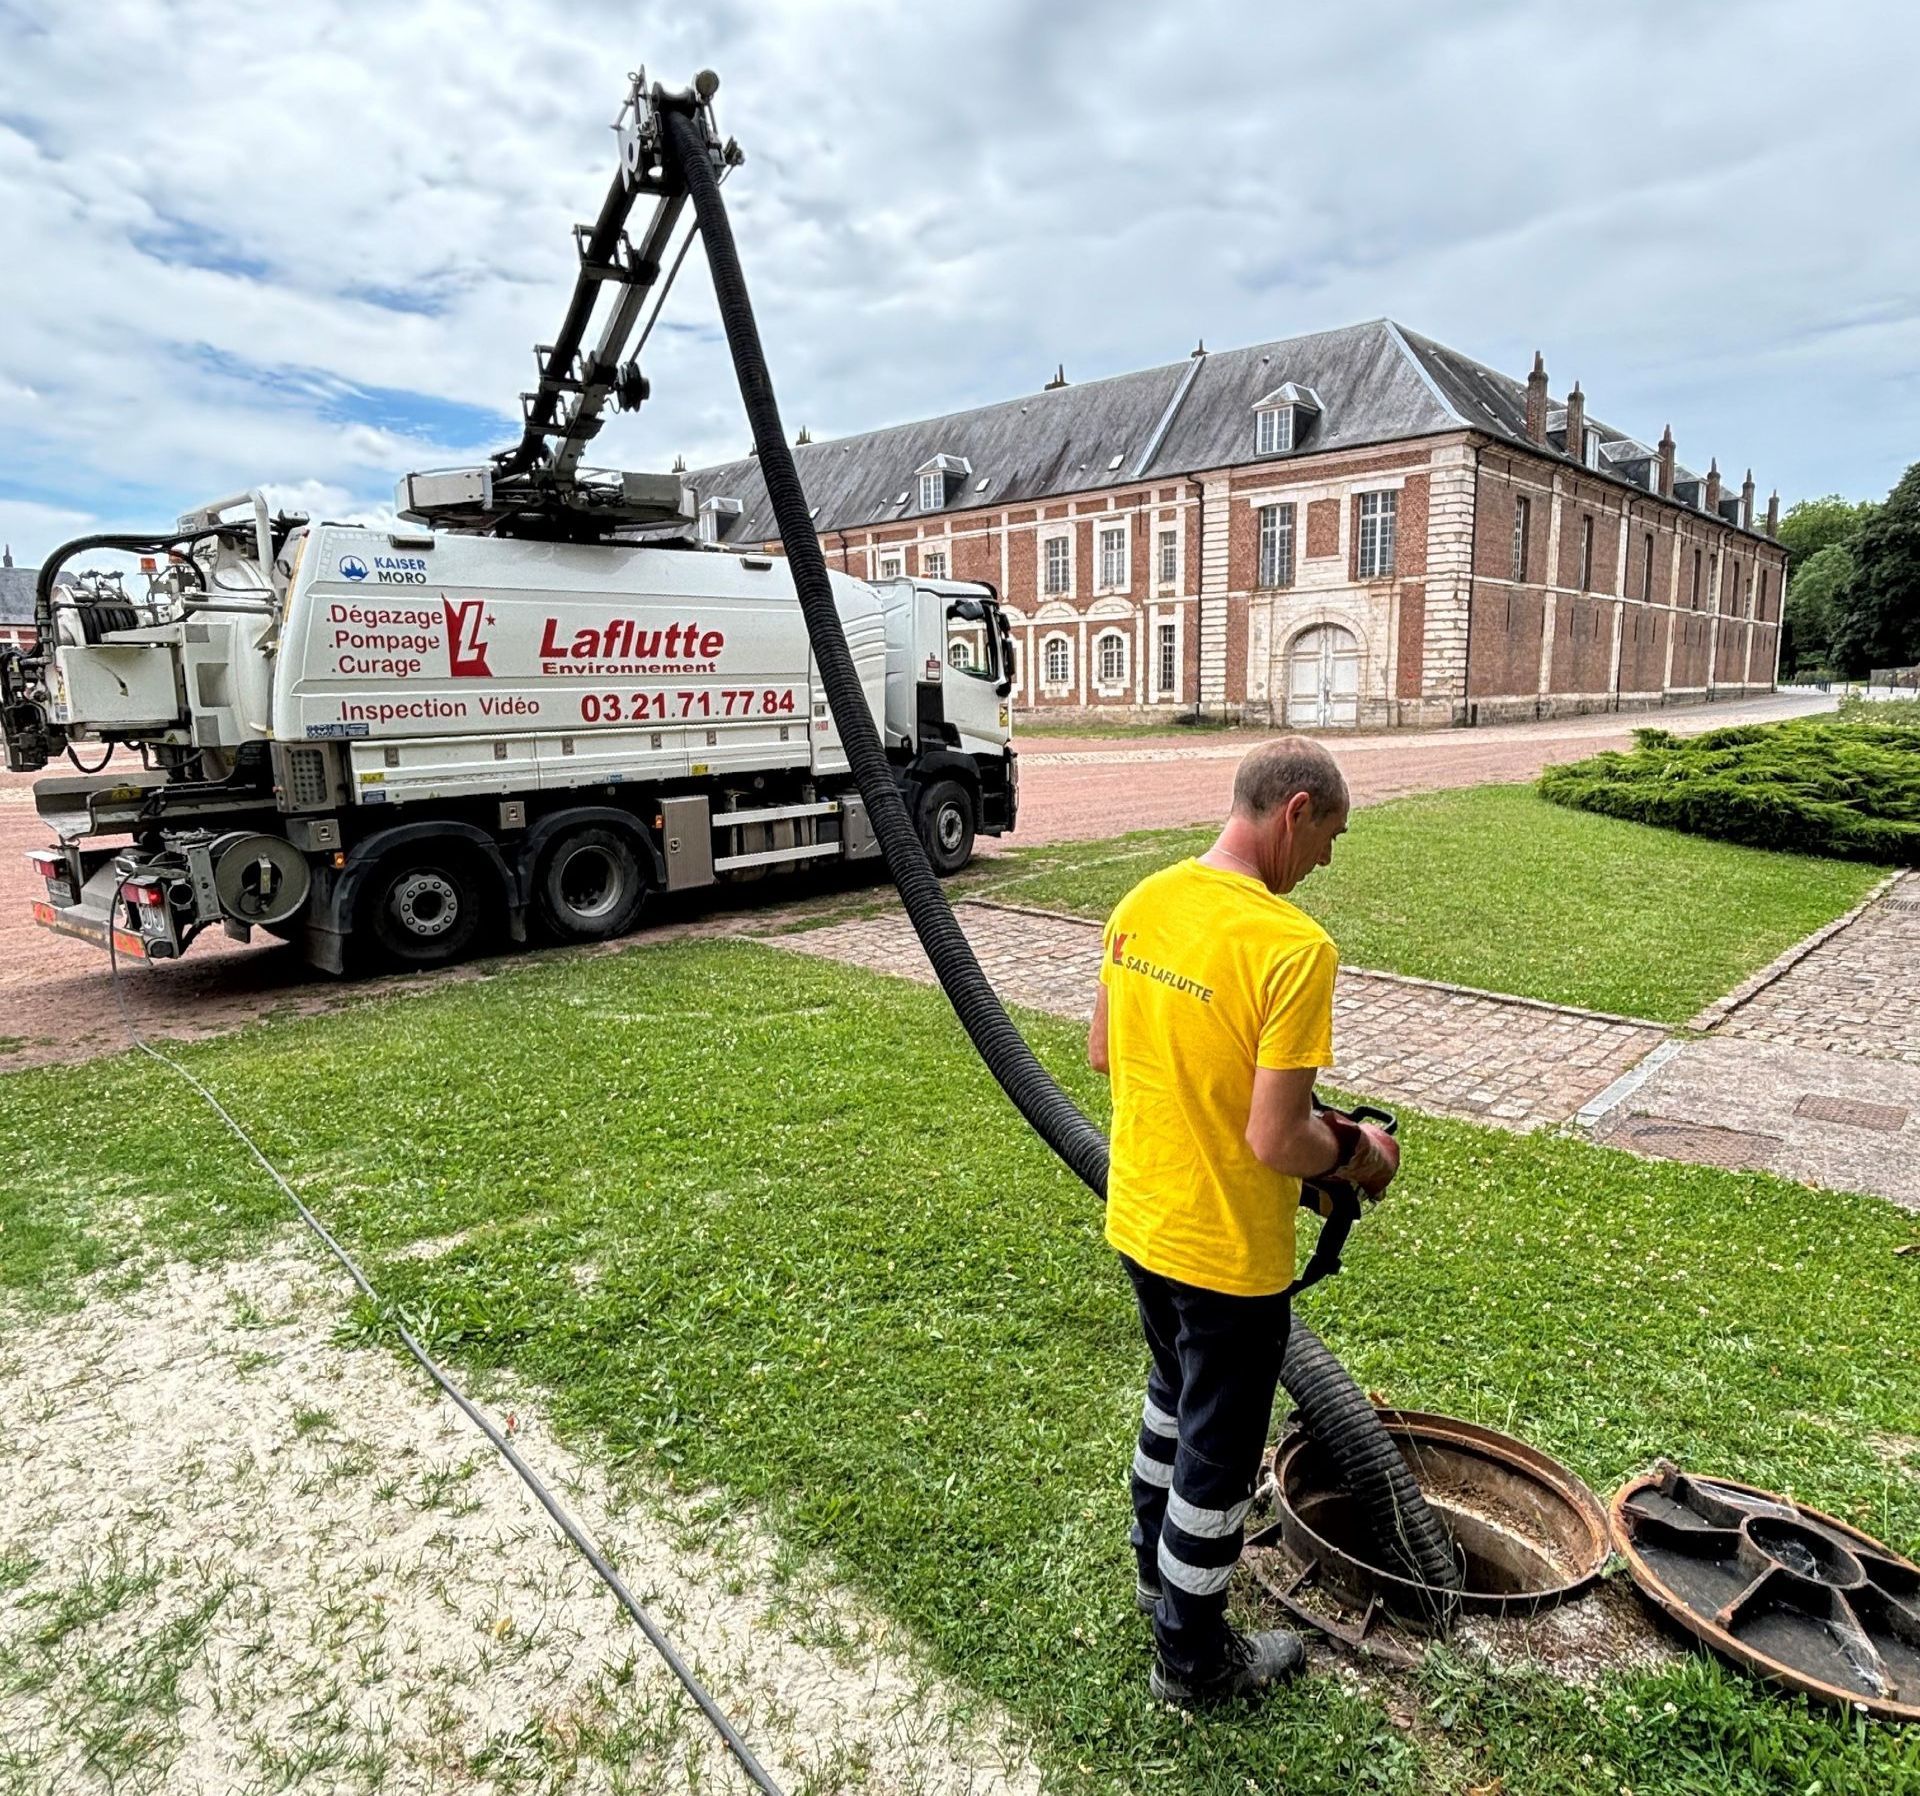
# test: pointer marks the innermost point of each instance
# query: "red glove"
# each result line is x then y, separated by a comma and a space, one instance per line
1369, 1156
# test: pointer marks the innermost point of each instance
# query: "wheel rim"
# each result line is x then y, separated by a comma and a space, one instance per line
591, 882
951, 828
426, 905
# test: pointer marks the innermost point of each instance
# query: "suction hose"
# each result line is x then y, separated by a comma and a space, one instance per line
1333, 1408
1054, 1116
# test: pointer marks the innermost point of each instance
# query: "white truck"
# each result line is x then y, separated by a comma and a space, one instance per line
423, 736
532, 702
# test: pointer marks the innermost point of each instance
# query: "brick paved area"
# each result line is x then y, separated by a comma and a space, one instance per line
1858, 992
1440, 1047
1778, 1106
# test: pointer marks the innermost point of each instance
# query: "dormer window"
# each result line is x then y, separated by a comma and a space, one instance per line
1590, 449
718, 516
1281, 419
938, 478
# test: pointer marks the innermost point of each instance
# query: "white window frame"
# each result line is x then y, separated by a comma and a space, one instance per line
933, 564
1104, 681
1064, 642
1522, 535
1379, 532
1065, 539
1273, 430
1167, 554
1166, 658
891, 565
1274, 560
1586, 551
1104, 536
933, 491
1590, 447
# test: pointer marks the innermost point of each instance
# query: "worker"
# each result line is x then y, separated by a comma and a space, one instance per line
1214, 1013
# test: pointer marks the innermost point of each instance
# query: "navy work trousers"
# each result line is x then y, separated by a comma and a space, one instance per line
1216, 1365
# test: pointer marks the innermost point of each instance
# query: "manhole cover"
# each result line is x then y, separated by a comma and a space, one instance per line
1853, 1113
1669, 1138
1783, 1590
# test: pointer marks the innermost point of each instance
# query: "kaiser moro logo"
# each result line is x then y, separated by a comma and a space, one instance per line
352, 567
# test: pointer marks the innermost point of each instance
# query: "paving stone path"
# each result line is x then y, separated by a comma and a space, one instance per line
1443, 1048
1858, 992
1811, 1069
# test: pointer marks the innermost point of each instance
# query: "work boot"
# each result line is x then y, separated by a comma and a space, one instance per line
1252, 1663
1146, 1597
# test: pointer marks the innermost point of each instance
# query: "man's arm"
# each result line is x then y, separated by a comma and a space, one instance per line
1097, 1034
1282, 1127
1289, 1135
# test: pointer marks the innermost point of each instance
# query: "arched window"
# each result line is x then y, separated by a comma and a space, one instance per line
1058, 660
1112, 650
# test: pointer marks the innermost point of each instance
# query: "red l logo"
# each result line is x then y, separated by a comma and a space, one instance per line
1119, 947
466, 649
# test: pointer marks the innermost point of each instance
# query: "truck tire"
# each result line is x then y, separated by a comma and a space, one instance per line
424, 907
591, 885
946, 825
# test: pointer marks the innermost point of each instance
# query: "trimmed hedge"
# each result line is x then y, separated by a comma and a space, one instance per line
1847, 786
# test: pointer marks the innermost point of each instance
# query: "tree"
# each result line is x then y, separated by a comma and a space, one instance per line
1876, 616
1813, 595
1815, 524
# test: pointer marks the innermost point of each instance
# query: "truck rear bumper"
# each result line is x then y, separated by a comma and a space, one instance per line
87, 925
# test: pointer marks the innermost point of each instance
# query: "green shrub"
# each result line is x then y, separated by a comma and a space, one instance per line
1846, 786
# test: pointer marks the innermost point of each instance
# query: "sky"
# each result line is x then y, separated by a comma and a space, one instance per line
310, 248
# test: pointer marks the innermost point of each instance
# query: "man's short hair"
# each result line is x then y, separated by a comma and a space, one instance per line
1276, 770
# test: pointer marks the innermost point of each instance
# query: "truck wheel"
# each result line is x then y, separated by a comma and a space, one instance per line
425, 909
591, 886
946, 826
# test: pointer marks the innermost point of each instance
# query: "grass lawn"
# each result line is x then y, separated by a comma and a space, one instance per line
832, 1275
1494, 887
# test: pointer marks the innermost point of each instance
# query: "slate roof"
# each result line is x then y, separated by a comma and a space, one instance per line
1378, 383
16, 594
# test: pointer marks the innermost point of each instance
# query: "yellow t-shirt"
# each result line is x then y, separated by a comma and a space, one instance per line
1208, 975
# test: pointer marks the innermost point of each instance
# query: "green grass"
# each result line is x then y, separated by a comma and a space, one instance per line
1496, 888
835, 1277
1847, 786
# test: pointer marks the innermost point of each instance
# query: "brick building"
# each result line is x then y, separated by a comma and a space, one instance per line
1360, 526
16, 602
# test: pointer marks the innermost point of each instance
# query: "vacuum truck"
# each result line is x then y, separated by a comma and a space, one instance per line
533, 701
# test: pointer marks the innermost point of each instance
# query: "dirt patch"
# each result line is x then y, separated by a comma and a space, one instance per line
234, 1554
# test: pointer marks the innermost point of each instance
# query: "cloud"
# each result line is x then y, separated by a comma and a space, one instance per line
317, 257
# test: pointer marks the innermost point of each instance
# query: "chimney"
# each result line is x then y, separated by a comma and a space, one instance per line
1059, 379
1773, 514
1746, 501
679, 464
1666, 463
1199, 351
1577, 423
1537, 402
1713, 486
804, 438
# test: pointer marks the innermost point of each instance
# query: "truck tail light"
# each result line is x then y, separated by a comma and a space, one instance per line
48, 866
144, 894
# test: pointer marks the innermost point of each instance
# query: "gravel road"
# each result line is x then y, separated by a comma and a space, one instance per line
56, 1003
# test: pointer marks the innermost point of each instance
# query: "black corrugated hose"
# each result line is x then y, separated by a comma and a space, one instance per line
1335, 1410
1054, 1116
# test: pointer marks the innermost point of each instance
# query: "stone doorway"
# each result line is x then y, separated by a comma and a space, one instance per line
1323, 679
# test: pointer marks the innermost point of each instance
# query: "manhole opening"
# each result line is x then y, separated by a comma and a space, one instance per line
1527, 1533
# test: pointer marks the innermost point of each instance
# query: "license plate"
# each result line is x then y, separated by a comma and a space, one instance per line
59, 891
84, 929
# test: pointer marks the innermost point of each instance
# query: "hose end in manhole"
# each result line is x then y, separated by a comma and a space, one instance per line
1527, 1533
